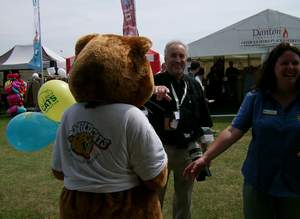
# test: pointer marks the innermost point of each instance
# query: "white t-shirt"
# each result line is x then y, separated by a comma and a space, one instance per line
107, 148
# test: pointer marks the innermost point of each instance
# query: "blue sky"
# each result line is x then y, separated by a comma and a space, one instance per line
64, 21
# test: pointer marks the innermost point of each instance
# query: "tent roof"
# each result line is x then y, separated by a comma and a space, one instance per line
253, 35
20, 56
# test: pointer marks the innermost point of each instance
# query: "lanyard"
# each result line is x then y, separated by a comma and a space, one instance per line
176, 97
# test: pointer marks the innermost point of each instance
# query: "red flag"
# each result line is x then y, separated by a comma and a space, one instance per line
129, 24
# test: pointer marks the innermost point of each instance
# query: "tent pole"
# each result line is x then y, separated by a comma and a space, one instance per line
42, 67
40, 44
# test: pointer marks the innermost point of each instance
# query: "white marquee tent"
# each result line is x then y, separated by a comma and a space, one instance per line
20, 58
253, 35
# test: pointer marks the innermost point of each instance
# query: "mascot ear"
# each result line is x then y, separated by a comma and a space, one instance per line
139, 46
80, 44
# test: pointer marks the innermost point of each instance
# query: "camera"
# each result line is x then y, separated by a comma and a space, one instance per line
195, 151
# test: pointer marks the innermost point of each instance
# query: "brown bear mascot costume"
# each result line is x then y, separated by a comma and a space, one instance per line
108, 155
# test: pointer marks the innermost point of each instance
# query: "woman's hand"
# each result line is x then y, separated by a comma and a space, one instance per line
161, 93
192, 170
226, 138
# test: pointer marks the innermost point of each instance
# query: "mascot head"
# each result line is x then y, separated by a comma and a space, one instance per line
111, 69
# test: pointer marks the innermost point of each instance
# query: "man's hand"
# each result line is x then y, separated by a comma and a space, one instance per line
161, 93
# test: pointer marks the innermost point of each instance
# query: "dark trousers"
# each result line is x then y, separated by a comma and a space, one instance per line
261, 205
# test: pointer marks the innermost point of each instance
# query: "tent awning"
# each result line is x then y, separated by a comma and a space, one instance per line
20, 57
253, 35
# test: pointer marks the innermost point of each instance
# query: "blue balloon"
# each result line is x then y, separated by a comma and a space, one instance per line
31, 131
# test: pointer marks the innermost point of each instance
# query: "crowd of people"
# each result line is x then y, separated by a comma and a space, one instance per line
178, 111
271, 108
271, 169
224, 85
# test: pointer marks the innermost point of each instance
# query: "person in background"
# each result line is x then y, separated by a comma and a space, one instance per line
32, 92
215, 82
232, 74
197, 72
271, 170
178, 111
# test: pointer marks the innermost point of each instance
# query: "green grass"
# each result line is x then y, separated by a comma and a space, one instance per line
28, 190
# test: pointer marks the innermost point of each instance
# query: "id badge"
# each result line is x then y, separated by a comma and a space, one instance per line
177, 115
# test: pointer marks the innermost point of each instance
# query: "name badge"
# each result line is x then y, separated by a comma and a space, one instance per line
270, 112
177, 115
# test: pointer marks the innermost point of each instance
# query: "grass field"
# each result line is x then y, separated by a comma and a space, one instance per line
28, 190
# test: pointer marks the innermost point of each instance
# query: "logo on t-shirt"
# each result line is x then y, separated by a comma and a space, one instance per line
85, 138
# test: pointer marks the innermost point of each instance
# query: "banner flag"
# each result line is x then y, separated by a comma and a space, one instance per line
129, 23
37, 61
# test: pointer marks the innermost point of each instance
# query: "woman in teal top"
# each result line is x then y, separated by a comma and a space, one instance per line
272, 166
